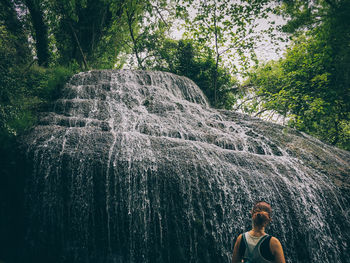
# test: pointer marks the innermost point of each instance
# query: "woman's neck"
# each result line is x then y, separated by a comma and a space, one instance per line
257, 231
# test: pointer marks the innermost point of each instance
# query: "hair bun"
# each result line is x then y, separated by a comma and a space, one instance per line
261, 218
261, 213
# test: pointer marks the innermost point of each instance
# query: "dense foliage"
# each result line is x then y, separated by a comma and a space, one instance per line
310, 85
185, 58
43, 42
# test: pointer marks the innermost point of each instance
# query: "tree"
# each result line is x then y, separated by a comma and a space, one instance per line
328, 22
146, 25
224, 27
184, 58
81, 25
13, 31
40, 31
307, 88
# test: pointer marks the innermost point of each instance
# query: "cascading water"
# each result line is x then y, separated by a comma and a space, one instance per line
134, 166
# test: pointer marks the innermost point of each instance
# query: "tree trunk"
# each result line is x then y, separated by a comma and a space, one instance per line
40, 31
216, 59
134, 42
78, 44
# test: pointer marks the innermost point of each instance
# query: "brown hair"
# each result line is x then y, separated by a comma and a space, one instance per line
261, 214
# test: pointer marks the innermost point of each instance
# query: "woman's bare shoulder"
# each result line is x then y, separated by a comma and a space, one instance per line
275, 245
274, 241
277, 250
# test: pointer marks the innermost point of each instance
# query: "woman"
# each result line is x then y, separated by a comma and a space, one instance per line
255, 245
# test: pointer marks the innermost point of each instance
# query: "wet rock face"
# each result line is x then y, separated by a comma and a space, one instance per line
134, 166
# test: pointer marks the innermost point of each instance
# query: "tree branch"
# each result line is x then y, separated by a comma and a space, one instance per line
78, 43
260, 112
131, 31
246, 100
160, 14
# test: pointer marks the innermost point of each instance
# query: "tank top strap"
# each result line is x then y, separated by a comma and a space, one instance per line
248, 252
260, 241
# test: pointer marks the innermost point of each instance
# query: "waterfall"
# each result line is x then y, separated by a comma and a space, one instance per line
135, 166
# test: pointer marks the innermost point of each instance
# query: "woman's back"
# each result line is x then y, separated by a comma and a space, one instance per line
256, 246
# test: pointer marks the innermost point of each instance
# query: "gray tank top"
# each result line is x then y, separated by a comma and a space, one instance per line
252, 253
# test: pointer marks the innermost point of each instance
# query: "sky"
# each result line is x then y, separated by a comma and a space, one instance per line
265, 49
